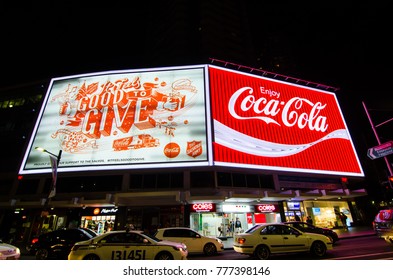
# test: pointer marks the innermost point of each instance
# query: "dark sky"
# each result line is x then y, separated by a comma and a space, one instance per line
343, 45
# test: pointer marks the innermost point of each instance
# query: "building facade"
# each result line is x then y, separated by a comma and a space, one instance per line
128, 157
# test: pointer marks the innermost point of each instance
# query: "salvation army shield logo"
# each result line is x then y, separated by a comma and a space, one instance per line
194, 148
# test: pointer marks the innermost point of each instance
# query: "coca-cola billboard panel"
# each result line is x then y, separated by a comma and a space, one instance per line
274, 125
123, 120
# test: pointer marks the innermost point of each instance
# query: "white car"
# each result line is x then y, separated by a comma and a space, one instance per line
264, 239
127, 245
8, 251
196, 242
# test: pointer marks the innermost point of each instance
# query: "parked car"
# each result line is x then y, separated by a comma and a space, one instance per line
196, 242
305, 227
127, 245
383, 224
8, 251
57, 244
262, 240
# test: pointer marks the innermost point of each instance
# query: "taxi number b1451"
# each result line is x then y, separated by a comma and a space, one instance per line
129, 255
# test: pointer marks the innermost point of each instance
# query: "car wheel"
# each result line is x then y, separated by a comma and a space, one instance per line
91, 257
209, 249
164, 256
262, 252
318, 249
42, 254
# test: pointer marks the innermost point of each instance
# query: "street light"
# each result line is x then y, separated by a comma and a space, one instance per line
54, 165
58, 157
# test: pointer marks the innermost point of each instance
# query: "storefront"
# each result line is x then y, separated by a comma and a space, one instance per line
293, 209
327, 213
323, 213
220, 220
266, 213
99, 219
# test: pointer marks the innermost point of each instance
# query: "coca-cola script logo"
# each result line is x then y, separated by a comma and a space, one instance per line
172, 150
287, 112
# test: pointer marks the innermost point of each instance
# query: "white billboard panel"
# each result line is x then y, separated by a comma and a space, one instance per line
123, 120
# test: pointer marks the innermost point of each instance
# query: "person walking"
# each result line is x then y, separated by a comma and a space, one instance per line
238, 225
343, 218
297, 218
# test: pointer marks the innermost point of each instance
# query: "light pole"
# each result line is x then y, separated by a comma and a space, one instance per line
55, 161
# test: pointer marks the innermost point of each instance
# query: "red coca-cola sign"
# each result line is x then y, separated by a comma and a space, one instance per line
203, 207
269, 124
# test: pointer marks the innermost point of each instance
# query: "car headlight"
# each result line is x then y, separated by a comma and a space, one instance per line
180, 248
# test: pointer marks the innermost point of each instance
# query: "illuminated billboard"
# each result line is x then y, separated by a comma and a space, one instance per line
123, 120
274, 125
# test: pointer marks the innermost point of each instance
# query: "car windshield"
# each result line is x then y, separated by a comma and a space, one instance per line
90, 232
254, 228
151, 237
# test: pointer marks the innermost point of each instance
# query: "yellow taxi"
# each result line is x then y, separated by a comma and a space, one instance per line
262, 240
127, 245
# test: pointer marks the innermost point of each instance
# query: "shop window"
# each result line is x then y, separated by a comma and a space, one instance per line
163, 181
266, 181
239, 180
224, 179
154, 181
202, 179
150, 181
89, 184
136, 181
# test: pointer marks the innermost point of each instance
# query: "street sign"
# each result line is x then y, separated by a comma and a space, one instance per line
381, 150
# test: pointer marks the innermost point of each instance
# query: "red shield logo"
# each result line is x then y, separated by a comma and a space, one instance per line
194, 148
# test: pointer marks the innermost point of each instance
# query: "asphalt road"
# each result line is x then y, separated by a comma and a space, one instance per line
359, 248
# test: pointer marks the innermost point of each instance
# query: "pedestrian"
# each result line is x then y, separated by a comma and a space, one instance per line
343, 218
309, 220
238, 225
297, 218
231, 227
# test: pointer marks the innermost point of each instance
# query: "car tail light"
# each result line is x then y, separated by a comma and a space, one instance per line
34, 240
241, 240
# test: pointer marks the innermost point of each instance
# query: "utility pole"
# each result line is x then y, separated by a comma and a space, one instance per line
379, 142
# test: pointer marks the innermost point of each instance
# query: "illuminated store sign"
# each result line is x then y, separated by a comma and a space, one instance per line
100, 211
123, 120
203, 207
240, 208
269, 124
293, 205
261, 208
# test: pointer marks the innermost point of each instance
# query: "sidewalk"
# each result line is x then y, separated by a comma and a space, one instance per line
352, 232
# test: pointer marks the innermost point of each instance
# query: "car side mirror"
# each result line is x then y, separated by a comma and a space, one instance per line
145, 241
197, 236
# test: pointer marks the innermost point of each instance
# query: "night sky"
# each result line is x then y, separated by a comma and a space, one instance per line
337, 44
